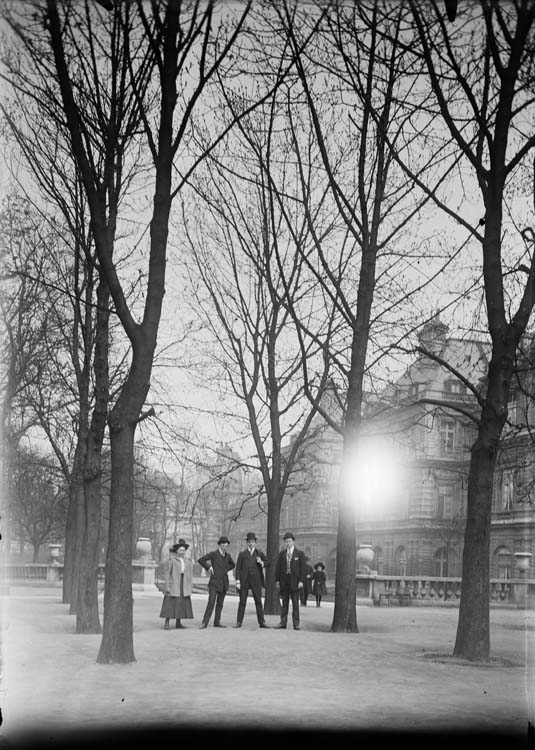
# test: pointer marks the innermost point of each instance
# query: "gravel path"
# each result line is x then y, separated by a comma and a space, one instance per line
395, 676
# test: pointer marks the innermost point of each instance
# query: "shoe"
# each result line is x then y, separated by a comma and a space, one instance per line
180, 627
166, 626
263, 625
296, 627
238, 625
219, 625
203, 626
280, 627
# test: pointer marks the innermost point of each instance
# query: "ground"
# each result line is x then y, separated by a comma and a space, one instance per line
395, 676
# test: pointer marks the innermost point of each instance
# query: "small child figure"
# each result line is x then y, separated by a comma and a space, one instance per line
319, 588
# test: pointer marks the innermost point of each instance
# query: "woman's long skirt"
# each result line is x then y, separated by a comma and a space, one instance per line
177, 607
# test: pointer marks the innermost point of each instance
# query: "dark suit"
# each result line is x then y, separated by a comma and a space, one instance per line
289, 583
251, 576
218, 583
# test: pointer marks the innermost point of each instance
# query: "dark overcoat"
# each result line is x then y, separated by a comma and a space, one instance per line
221, 564
319, 579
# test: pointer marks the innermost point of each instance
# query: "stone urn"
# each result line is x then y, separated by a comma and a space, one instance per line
522, 560
143, 548
365, 555
54, 552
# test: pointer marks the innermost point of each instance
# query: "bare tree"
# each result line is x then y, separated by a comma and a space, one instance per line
158, 44
37, 500
244, 303
480, 72
367, 279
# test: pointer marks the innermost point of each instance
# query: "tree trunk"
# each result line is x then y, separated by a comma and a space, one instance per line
87, 615
35, 552
70, 543
117, 634
272, 605
79, 522
473, 630
345, 588
87, 620
72, 529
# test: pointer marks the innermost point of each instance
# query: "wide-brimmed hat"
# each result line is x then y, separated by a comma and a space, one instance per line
319, 565
288, 535
250, 535
182, 543
173, 548
223, 539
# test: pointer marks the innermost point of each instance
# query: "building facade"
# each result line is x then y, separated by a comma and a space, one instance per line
411, 475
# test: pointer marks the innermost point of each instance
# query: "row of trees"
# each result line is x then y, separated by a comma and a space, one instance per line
164, 506
329, 175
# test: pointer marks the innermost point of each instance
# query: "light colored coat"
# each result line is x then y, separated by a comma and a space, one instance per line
172, 573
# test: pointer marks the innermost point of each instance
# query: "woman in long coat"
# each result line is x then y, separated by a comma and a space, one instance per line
178, 580
319, 588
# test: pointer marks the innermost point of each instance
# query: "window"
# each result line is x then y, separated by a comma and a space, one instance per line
455, 387
512, 407
400, 560
445, 502
507, 490
378, 560
413, 390
502, 563
441, 562
447, 437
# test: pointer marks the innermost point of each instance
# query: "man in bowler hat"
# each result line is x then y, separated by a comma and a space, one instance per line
290, 574
217, 563
249, 574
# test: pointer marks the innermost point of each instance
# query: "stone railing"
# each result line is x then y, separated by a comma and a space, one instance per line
517, 592
51, 574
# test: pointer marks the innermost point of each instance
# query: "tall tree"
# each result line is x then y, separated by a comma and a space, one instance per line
171, 54
480, 72
37, 499
244, 304
366, 281
35, 118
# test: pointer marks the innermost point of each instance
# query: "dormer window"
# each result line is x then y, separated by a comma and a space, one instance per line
455, 387
414, 389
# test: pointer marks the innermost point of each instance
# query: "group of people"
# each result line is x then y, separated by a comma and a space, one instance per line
294, 574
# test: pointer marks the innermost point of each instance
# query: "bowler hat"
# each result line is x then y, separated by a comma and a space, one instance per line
223, 539
319, 565
182, 543
250, 535
289, 535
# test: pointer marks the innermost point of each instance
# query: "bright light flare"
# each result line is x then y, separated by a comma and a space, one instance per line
374, 477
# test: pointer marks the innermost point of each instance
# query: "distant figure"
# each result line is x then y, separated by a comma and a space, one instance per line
178, 579
290, 574
249, 574
319, 578
307, 587
217, 563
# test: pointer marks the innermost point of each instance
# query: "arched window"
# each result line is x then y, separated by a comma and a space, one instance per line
502, 563
331, 564
400, 561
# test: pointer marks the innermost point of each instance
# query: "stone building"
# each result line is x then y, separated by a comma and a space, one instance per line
411, 475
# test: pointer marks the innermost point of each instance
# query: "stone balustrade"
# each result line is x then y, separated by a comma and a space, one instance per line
377, 589
519, 592
51, 574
